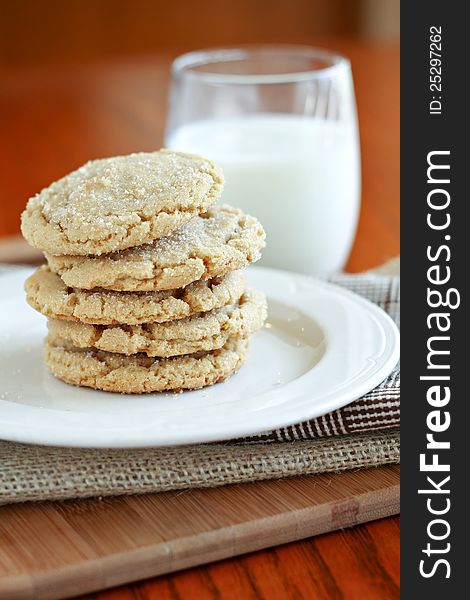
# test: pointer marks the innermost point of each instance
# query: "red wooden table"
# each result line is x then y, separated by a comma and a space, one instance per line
55, 119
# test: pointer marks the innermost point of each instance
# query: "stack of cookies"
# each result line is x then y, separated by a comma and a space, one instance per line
144, 289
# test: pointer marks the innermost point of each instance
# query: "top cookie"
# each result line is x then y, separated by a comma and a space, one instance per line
213, 244
114, 203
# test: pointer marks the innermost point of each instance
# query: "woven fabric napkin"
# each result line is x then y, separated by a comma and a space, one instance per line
362, 434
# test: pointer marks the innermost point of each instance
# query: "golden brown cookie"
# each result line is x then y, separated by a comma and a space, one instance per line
139, 373
119, 202
211, 245
201, 332
48, 294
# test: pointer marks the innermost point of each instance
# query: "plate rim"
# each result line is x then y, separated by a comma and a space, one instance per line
38, 437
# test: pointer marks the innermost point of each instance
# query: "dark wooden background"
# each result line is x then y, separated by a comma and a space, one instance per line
33, 32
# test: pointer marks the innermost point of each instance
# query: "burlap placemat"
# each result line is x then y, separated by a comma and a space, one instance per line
362, 434
40, 473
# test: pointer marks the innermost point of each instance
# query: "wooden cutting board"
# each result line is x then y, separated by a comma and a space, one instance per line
62, 549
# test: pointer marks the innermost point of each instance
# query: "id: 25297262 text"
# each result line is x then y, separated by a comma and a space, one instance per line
435, 69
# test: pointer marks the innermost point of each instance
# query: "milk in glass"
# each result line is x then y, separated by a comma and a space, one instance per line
298, 175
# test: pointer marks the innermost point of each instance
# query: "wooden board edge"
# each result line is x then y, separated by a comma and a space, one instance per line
161, 558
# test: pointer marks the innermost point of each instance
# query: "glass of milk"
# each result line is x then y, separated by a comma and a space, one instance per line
282, 123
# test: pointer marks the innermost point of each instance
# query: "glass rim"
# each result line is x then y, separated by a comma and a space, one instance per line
185, 64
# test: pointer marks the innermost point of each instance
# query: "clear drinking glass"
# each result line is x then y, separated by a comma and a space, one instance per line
282, 123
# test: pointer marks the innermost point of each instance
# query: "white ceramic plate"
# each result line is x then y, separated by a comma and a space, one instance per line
322, 348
